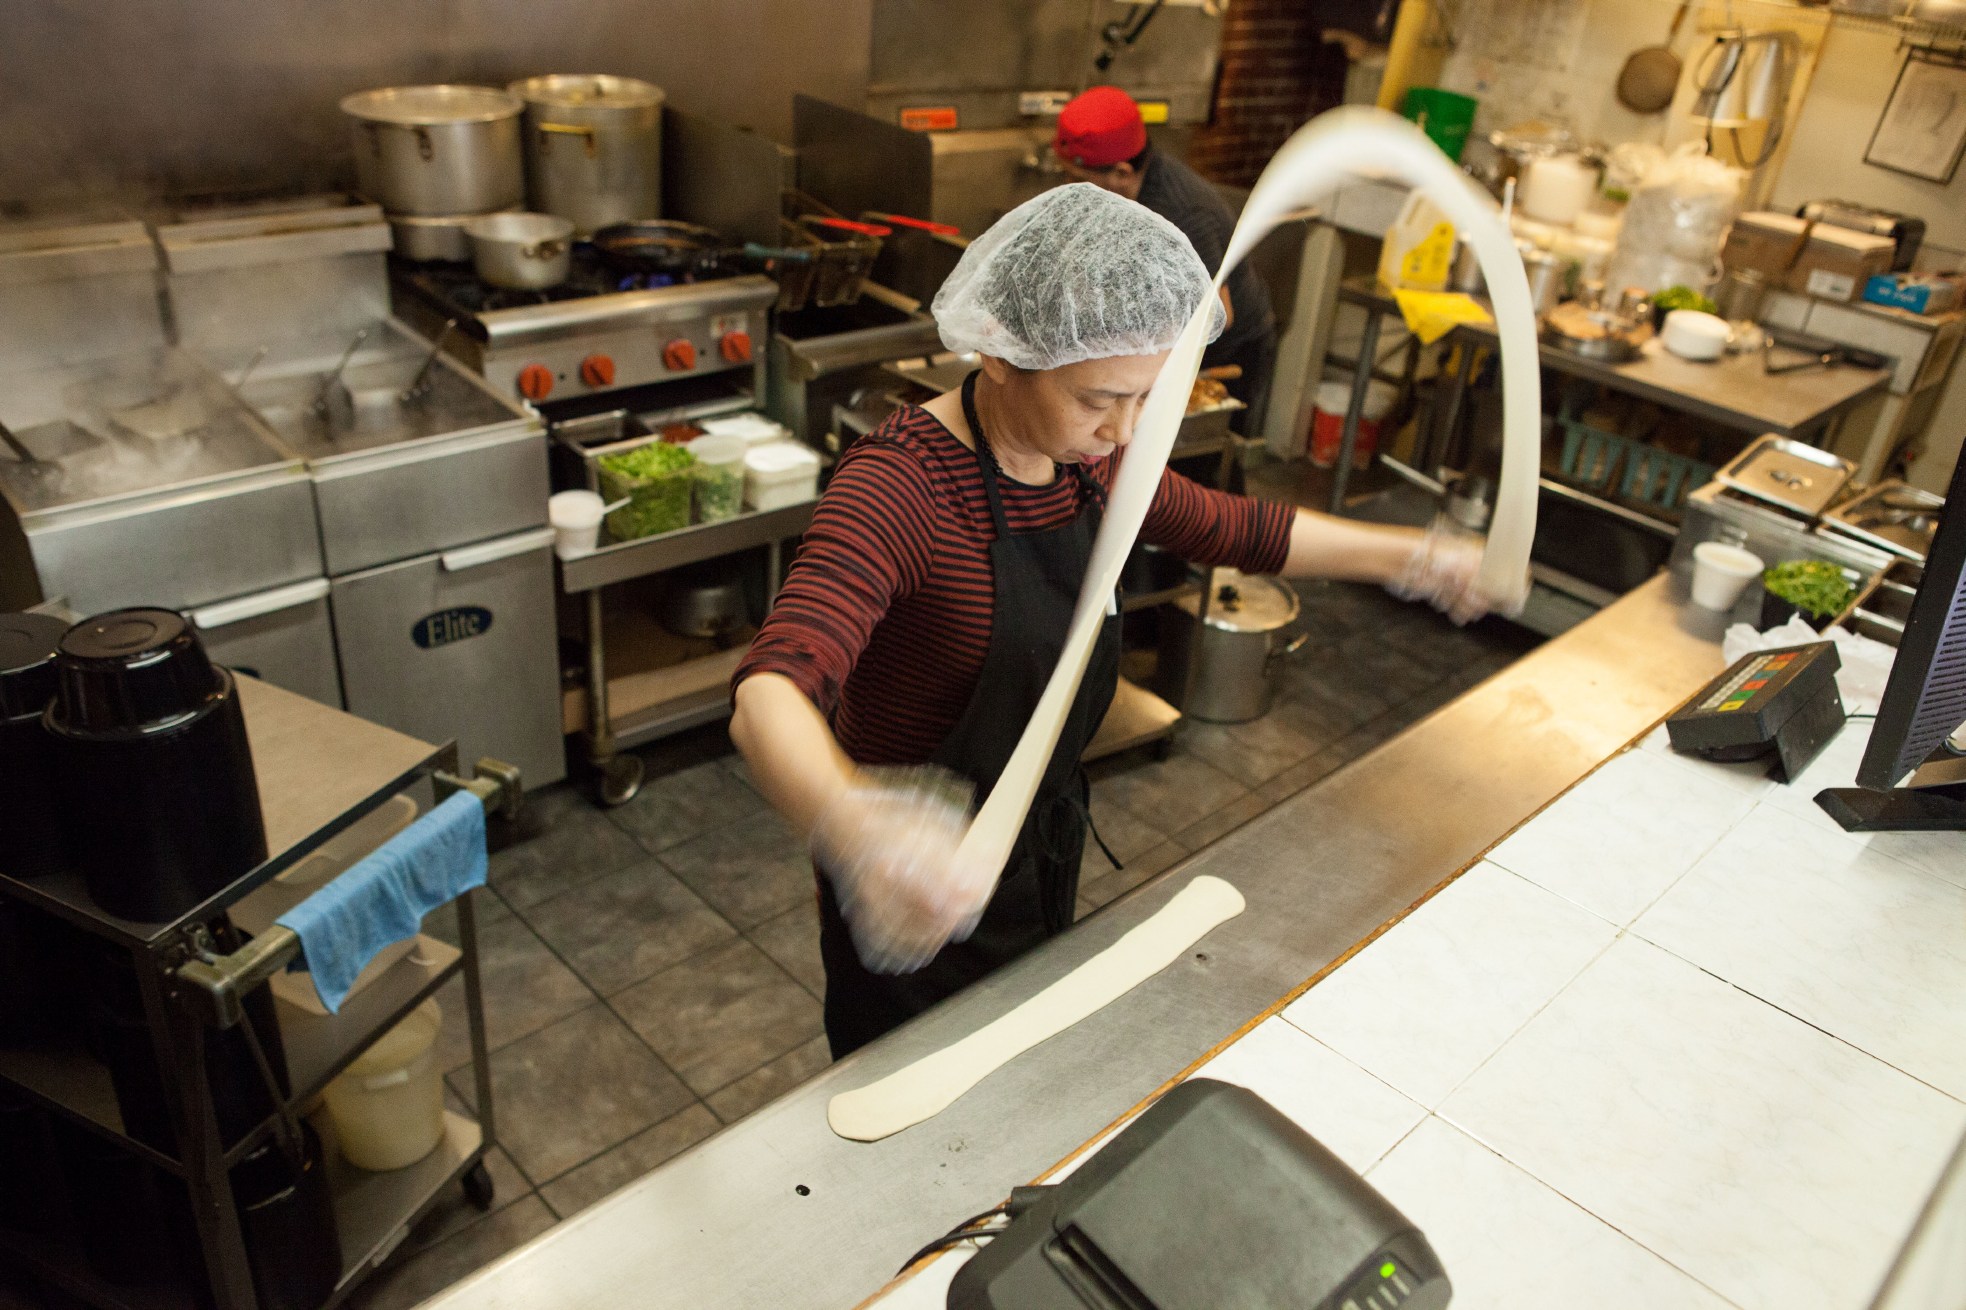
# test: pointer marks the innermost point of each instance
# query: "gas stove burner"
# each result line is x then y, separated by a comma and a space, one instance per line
459, 288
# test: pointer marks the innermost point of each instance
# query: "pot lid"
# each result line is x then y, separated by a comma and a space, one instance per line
1244, 602
28, 643
425, 106
588, 91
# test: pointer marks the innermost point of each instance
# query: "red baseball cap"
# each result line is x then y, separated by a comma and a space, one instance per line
1099, 128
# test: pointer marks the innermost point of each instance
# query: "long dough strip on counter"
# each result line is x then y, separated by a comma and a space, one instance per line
931, 1084
1321, 156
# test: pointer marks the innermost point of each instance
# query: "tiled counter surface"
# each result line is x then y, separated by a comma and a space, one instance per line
1678, 1041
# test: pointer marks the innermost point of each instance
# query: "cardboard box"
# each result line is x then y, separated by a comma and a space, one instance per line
1836, 263
1920, 295
1765, 242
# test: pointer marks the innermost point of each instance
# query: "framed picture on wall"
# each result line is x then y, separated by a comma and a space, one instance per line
1923, 130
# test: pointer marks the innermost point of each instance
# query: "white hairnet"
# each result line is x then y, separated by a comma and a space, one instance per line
1076, 273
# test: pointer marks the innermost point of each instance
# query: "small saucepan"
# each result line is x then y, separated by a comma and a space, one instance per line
524, 252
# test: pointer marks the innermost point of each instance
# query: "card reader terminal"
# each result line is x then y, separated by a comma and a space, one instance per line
1781, 702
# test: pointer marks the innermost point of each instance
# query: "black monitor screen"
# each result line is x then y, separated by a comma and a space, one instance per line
1925, 701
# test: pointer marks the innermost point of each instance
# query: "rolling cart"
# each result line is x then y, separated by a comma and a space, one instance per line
319, 772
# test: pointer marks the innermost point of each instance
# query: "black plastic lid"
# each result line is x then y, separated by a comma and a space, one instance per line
27, 663
134, 670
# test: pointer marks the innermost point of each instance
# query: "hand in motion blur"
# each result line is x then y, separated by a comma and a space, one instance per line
888, 842
1445, 571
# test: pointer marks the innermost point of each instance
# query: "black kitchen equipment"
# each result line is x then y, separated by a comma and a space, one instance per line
38, 974
31, 840
1907, 232
1781, 702
1211, 1200
133, 1220
286, 1212
154, 766
119, 1035
33, 1200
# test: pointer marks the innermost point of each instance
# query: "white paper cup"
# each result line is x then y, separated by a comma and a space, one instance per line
576, 518
1721, 572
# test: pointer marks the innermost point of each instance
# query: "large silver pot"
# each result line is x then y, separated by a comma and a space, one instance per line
593, 147
437, 150
1231, 677
527, 252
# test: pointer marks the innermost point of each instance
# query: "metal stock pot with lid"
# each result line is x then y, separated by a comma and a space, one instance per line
436, 150
1231, 667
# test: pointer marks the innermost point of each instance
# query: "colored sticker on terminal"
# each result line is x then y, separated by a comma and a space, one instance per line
929, 118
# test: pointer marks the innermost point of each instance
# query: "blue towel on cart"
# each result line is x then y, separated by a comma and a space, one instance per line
383, 898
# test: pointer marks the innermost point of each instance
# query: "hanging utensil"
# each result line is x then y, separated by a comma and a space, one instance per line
1650, 76
420, 384
246, 373
27, 459
334, 404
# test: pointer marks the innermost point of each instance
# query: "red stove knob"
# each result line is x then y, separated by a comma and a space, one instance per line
597, 371
535, 382
679, 355
735, 347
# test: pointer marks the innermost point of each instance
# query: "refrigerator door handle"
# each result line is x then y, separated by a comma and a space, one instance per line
485, 552
261, 603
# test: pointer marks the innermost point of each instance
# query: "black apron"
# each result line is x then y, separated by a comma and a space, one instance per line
1037, 581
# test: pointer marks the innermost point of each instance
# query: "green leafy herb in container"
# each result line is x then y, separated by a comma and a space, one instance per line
1678, 297
719, 477
1814, 587
656, 479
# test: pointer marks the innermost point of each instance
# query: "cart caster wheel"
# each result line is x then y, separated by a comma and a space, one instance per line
479, 1188
621, 778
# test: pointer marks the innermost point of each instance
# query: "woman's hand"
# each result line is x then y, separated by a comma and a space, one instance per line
1444, 569
888, 841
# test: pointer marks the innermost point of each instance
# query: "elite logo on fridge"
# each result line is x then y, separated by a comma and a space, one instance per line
452, 625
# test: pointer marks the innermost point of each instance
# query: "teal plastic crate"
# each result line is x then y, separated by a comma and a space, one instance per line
1632, 471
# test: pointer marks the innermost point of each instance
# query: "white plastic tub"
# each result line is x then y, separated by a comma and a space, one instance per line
780, 474
388, 1106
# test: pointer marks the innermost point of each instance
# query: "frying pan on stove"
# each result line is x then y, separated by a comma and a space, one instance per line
679, 250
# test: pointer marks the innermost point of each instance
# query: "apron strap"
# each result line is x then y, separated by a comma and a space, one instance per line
986, 459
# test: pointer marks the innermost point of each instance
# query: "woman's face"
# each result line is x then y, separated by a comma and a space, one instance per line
1079, 413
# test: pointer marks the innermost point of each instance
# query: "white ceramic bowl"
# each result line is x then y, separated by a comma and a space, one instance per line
1692, 335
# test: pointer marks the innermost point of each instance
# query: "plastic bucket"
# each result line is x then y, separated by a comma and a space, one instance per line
719, 477
388, 1106
1445, 116
1328, 422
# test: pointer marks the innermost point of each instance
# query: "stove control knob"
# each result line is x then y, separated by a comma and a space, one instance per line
679, 355
597, 371
735, 347
535, 382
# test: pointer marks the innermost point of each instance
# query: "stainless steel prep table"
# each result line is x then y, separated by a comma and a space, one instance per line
778, 1211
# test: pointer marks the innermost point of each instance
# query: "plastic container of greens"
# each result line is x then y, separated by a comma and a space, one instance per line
657, 480
719, 477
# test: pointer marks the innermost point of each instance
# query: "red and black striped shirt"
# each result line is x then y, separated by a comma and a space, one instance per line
884, 618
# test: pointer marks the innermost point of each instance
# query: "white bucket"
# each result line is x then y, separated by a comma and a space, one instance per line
388, 1106
1721, 572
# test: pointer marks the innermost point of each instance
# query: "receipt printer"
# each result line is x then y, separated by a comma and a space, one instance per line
1780, 703
1211, 1200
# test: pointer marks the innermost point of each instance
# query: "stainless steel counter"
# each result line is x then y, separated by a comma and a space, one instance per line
778, 1211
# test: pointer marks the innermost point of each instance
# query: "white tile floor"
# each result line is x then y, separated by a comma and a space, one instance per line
1684, 1045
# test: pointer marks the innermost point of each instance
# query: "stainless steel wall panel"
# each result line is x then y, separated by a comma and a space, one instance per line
934, 46
180, 551
496, 692
210, 95
431, 495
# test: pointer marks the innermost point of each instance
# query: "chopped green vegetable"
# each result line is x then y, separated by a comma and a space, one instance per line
719, 491
1683, 298
1816, 587
656, 480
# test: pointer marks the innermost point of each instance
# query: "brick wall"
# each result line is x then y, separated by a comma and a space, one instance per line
1276, 72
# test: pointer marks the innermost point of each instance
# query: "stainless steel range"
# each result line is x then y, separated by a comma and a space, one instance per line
597, 334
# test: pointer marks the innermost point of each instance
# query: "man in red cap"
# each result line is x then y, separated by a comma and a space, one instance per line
1102, 139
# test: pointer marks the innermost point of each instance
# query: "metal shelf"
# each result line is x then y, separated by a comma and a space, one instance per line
670, 550
68, 1081
375, 1211
62, 1263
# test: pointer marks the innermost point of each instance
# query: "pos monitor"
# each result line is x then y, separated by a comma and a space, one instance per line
1913, 774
